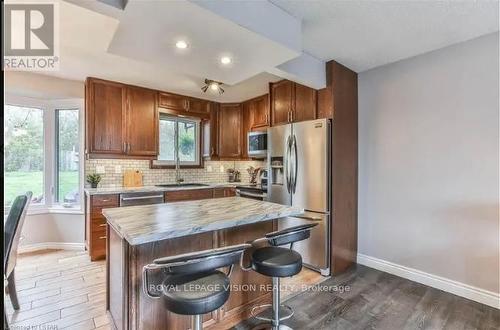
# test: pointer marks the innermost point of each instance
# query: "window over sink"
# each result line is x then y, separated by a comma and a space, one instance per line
181, 132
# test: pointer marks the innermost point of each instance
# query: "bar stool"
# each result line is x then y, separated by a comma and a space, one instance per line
192, 285
276, 262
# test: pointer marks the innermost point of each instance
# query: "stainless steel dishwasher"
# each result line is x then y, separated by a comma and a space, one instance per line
141, 198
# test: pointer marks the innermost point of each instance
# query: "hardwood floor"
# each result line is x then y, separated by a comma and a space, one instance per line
59, 289
63, 289
377, 300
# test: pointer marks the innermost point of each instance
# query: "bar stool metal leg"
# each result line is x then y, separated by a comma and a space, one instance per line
276, 303
197, 323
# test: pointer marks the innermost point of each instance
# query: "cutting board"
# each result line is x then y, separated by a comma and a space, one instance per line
132, 178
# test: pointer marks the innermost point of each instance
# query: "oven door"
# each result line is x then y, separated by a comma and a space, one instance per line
251, 194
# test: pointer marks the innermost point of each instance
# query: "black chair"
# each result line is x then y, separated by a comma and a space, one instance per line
192, 284
276, 262
11, 236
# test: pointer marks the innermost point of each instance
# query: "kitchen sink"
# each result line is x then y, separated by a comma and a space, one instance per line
182, 185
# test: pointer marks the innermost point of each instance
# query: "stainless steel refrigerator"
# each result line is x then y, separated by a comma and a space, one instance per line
299, 164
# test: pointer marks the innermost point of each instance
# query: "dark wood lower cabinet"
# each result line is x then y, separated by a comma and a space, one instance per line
130, 308
95, 223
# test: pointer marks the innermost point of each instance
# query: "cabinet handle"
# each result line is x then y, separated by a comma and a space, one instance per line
102, 225
102, 237
213, 151
125, 147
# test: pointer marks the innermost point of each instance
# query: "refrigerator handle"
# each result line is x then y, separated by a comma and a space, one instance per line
287, 164
295, 163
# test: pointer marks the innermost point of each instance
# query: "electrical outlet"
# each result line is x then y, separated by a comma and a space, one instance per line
118, 169
209, 168
100, 169
221, 169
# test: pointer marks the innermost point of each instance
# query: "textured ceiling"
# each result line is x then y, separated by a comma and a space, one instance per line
366, 34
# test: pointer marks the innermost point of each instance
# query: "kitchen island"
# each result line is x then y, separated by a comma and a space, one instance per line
137, 235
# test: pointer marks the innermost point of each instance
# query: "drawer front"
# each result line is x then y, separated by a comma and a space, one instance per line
98, 225
219, 192
188, 195
104, 201
98, 247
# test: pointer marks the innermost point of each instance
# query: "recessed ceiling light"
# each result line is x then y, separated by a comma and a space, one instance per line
181, 44
225, 60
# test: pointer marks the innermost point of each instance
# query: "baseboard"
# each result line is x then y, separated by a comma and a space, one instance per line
460, 289
50, 246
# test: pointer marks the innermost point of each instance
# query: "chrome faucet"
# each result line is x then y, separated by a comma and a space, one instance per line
178, 178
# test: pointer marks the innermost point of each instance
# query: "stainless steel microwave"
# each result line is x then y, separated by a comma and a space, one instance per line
257, 144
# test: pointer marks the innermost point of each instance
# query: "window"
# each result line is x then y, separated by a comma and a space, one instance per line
24, 153
42, 153
181, 132
67, 177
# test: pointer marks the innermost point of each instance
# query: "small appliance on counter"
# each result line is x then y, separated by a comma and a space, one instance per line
233, 175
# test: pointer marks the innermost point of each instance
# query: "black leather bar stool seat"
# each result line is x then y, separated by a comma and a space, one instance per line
276, 262
180, 297
191, 283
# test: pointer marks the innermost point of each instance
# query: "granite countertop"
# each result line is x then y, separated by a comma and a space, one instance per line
150, 223
119, 190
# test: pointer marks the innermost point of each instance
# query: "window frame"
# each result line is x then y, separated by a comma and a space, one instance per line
49, 108
198, 163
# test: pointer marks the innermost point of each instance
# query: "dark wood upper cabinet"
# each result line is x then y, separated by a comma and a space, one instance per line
211, 133
325, 102
121, 120
292, 102
259, 111
305, 103
198, 105
142, 118
105, 103
173, 101
246, 126
281, 102
230, 130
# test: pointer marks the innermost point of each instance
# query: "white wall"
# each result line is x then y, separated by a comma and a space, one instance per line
30, 84
58, 228
428, 167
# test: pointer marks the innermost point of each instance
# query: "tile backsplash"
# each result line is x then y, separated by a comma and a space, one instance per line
112, 170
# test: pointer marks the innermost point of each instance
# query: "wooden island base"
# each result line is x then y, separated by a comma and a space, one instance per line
130, 308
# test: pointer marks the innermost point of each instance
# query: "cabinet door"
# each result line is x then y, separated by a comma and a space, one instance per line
325, 103
210, 133
259, 111
173, 101
305, 103
230, 130
198, 106
188, 195
105, 113
281, 102
142, 120
246, 125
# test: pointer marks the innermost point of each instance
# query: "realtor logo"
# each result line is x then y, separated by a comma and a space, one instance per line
31, 36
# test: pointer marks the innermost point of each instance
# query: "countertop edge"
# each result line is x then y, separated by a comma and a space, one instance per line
193, 231
120, 190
